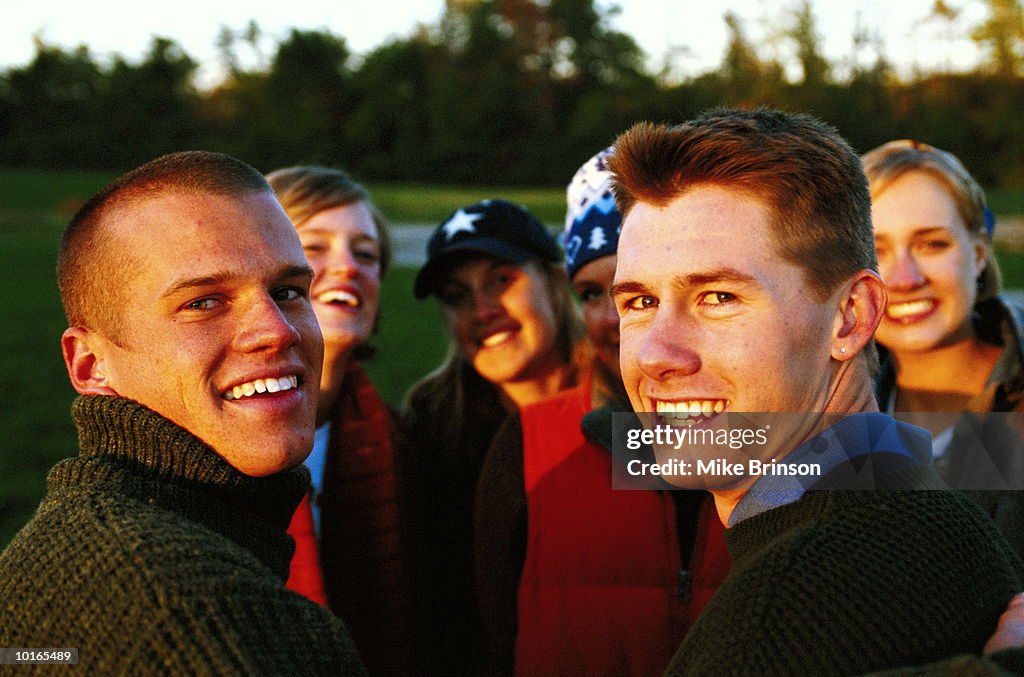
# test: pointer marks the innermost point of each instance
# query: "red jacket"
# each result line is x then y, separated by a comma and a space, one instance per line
600, 590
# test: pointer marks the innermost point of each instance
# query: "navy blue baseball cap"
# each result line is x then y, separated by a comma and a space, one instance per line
493, 227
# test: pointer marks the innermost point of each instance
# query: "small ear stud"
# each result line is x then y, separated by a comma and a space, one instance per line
842, 350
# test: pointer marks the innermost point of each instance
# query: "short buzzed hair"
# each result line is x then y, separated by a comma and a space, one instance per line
800, 167
92, 266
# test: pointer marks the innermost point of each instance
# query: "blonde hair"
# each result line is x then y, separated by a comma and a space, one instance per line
305, 191
887, 163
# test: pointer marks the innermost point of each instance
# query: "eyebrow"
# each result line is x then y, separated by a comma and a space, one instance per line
627, 287
926, 230
725, 274
221, 277
326, 231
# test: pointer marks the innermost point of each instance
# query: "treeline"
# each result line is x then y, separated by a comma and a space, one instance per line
499, 91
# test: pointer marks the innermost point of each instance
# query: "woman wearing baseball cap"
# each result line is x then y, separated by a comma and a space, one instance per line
562, 559
516, 334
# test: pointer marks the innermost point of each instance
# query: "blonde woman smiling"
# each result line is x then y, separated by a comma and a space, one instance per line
953, 343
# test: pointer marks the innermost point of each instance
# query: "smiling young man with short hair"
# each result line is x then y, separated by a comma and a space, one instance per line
161, 548
746, 283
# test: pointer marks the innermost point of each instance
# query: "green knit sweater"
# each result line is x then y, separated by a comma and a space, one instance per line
152, 555
846, 582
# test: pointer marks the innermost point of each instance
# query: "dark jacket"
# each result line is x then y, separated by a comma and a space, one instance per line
152, 555
985, 457
440, 456
848, 582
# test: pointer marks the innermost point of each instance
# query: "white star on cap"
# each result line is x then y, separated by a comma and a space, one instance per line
461, 222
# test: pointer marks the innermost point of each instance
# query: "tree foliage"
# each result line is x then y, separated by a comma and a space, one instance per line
498, 91
1002, 35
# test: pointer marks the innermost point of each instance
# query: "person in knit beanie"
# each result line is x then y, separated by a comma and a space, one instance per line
161, 547
561, 557
748, 298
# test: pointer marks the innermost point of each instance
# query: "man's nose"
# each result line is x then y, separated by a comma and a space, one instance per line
265, 327
665, 352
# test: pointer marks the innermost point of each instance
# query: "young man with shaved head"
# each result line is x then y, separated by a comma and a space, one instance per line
746, 283
161, 547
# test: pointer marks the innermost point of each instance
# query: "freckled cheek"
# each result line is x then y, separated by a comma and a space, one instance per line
628, 362
751, 349
308, 327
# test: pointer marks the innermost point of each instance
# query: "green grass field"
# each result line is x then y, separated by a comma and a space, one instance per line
62, 192
36, 430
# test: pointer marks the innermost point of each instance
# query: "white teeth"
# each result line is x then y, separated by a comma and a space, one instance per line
688, 412
339, 296
909, 308
495, 339
260, 385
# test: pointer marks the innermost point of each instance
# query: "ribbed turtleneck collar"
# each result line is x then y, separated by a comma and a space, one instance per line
139, 453
120, 428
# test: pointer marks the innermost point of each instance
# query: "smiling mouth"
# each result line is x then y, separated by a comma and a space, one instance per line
908, 310
497, 339
261, 386
339, 297
689, 412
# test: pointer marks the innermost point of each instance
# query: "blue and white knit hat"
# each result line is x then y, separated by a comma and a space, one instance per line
592, 222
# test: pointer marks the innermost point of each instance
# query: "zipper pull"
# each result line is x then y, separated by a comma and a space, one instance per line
685, 580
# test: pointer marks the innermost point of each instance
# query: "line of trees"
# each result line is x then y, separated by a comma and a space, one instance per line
498, 91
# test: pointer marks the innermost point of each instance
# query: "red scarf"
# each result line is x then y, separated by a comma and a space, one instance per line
360, 563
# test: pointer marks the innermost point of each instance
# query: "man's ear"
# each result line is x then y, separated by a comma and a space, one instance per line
860, 309
84, 352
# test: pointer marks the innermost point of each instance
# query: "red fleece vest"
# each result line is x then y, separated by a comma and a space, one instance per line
599, 593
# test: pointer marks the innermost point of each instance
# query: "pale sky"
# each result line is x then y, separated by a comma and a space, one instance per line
692, 30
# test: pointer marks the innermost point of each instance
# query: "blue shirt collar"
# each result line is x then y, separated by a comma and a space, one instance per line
853, 436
